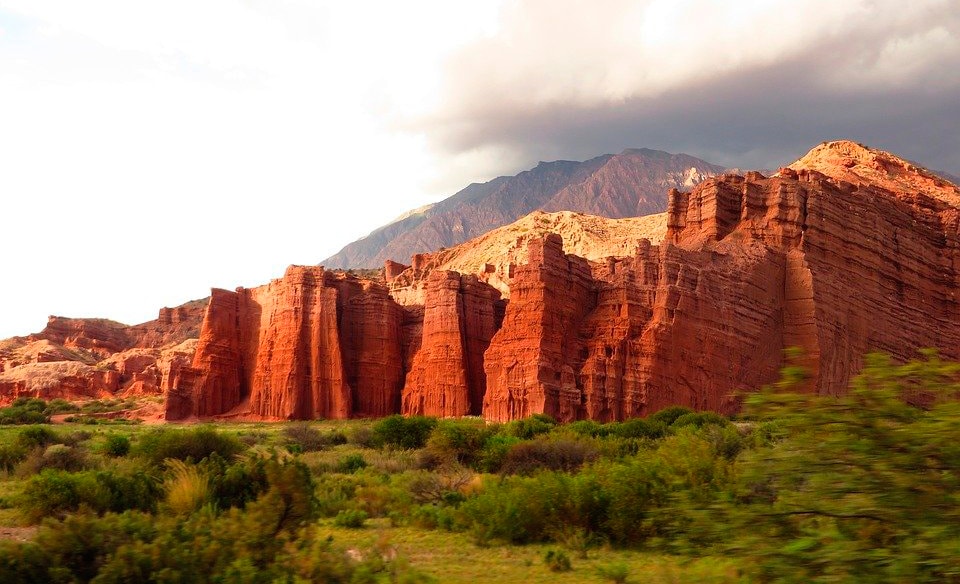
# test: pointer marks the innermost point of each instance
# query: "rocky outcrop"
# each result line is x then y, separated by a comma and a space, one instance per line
494, 256
750, 265
531, 362
80, 358
461, 315
312, 344
634, 182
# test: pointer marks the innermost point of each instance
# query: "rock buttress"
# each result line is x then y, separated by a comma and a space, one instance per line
446, 378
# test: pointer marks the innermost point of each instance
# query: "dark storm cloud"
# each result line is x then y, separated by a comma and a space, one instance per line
880, 73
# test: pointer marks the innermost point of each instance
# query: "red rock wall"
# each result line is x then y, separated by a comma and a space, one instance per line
532, 360
308, 345
750, 266
446, 377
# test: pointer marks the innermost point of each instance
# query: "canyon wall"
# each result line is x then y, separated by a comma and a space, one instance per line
748, 266
849, 250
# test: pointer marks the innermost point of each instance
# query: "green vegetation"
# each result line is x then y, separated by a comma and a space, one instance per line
800, 488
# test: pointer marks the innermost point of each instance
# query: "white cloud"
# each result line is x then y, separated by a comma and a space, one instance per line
150, 150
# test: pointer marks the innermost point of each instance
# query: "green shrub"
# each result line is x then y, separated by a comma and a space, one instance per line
352, 518
54, 493
362, 436
528, 428
55, 456
700, 419
616, 573
304, 438
587, 428
25, 410
639, 428
61, 406
351, 463
459, 441
550, 454
116, 445
495, 452
669, 415
193, 444
37, 436
434, 517
11, 454
403, 432
557, 561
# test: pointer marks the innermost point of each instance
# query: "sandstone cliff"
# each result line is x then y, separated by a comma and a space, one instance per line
838, 264
311, 344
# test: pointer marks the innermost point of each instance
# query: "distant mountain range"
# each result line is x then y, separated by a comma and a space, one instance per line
632, 183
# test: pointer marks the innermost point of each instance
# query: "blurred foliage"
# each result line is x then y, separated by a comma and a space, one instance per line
862, 487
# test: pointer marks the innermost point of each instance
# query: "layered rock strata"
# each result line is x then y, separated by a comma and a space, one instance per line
750, 266
312, 344
446, 378
81, 358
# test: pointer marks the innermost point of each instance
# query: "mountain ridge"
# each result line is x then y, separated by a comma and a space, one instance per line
631, 183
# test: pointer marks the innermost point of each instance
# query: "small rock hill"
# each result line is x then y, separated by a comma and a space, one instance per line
78, 358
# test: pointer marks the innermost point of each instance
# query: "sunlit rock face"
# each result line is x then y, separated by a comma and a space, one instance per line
849, 250
85, 358
833, 264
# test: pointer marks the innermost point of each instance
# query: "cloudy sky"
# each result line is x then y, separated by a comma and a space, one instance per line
151, 150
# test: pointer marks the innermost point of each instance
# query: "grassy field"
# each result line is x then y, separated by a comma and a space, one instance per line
801, 488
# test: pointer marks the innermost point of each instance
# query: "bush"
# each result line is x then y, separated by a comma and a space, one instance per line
304, 438
56, 456
351, 463
11, 454
557, 561
61, 406
116, 445
37, 436
700, 419
403, 432
54, 493
459, 441
495, 452
668, 416
187, 487
362, 436
352, 518
616, 573
557, 454
25, 410
194, 444
530, 427
639, 428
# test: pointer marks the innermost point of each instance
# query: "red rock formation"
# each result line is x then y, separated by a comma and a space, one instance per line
446, 378
750, 265
293, 349
116, 358
531, 361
